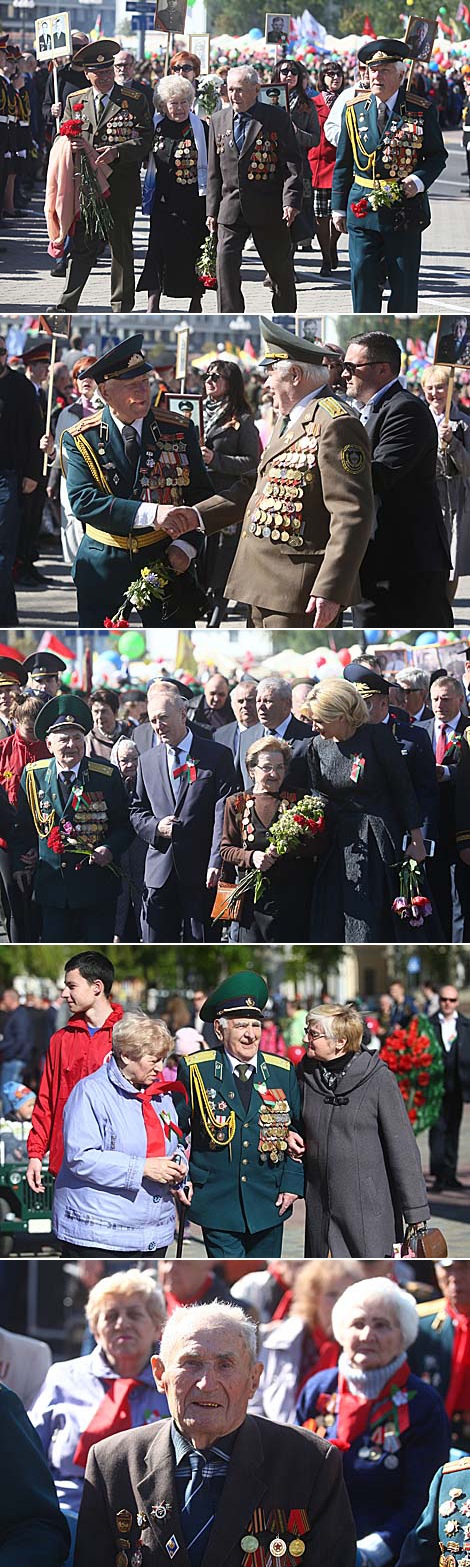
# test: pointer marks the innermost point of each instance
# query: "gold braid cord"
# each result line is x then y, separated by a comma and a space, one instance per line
42, 824
358, 145
198, 1092
89, 457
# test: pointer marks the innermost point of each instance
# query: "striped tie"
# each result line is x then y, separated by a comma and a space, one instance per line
195, 1518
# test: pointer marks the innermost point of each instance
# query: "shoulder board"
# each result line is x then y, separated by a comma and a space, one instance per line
132, 93
201, 1055
361, 97
101, 767
163, 416
332, 407
34, 766
76, 94
432, 1308
460, 1463
85, 424
276, 1060
414, 97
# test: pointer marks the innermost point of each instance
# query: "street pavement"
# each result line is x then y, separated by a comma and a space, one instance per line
25, 282
450, 1211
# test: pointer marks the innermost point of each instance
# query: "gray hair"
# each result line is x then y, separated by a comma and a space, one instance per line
122, 1285
135, 1033
316, 375
276, 683
188, 1320
167, 688
248, 72
175, 87
376, 1292
126, 742
412, 679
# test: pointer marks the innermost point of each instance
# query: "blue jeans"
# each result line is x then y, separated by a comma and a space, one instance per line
9, 531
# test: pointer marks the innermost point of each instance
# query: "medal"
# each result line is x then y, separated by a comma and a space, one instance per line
172, 1546
249, 1542
296, 1548
160, 1511
121, 1559
124, 1521
277, 1547
391, 1462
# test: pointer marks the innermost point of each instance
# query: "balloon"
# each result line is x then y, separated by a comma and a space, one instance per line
426, 638
344, 656
132, 644
373, 634
66, 677
255, 32
114, 658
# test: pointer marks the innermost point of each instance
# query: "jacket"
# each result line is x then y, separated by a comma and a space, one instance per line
403, 439
32, 1528
102, 1196
62, 878
194, 844
73, 1053
235, 186
134, 137
428, 1544
322, 158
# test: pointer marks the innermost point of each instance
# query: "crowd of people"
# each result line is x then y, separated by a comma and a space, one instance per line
251, 811
312, 1406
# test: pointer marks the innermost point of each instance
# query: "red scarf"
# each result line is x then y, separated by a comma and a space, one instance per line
458, 1392
153, 1125
355, 1416
319, 1353
112, 1415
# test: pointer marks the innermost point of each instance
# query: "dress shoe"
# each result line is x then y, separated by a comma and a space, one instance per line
325, 270
453, 1185
439, 1185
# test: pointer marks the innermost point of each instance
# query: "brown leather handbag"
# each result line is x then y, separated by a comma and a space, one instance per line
220, 907
429, 1243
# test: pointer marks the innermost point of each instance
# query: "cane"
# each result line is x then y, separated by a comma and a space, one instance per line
180, 1233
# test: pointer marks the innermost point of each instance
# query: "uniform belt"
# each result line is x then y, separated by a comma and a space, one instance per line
359, 180
128, 541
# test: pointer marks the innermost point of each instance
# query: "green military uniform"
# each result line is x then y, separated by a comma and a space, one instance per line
309, 520
77, 898
432, 1357
441, 1537
106, 488
239, 1162
367, 160
125, 121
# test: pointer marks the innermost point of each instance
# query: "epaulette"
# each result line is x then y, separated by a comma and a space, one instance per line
164, 416
275, 1060
332, 407
131, 92
414, 97
85, 424
76, 94
432, 1308
43, 763
360, 97
201, 1055
459, 1463
100, 767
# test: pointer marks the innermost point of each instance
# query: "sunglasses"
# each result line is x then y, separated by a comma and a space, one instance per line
288, 70
181, 69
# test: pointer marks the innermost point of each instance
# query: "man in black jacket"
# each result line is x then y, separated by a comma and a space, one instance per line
275, 717
254, 187
453, 1032
446, 730
405, 570
21, 428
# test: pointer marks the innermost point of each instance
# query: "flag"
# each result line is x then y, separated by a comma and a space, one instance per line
97, 30
52, 643
367, 28
185, 653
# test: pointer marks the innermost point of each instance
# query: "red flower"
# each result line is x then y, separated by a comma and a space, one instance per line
423, 1079
72, 129
359, 208
115, 625
54, 841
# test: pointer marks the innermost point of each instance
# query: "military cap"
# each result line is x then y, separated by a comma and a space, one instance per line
63, 712
12, 672
368, 682
42, 663
380, 49
124, 362
97, 55
280, 344
243, 995
13, 51
38, 351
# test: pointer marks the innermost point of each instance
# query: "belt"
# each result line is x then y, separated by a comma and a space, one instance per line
371, 184
128, 541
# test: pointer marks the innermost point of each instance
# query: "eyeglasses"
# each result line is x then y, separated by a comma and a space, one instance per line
452, 999
184, 69
287, 70
213, 375
315, 1036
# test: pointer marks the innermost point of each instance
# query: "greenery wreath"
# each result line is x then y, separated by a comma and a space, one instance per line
415, 1057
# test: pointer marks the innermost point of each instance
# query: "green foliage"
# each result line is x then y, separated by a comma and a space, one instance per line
173, 968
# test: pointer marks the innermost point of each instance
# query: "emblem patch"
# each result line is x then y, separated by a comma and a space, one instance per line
352, 459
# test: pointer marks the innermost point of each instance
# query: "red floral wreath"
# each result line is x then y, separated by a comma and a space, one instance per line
415, 1057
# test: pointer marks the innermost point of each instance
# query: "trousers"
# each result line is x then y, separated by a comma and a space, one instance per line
273, 244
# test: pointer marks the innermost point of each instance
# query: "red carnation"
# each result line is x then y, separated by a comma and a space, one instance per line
54, 840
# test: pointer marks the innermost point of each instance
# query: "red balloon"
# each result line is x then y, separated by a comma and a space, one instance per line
344, 656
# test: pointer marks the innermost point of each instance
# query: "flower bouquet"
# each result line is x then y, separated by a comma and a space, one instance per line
388, 194
415, 1057
205, 268
208, 93
151, 584
412, 904
302, 821
94, 209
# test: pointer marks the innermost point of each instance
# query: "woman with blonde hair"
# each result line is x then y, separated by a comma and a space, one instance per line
281, 913
358, 770
362, 1165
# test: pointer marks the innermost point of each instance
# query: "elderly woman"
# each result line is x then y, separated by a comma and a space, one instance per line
110, 1390
123, 1149
363, 1169
177, 204
125, 757
281, 912
391, 1427
302, 1343
453, 468
358, 770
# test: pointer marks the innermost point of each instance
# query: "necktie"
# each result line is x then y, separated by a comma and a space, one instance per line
65, 781
131, 445
382, 116
284, 423
240, 122
441, 743
244, 1085
269, 732
112, 1415
196, 1514
176, 782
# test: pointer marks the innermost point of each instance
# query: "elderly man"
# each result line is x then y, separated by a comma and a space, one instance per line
439, 1354
387, 133
43, 672
413, 686
275, 717
432, 1542
243, 702
308, 523
254, 186
243, 1102
178, 808
214, 710
73, 822
32, 1528
12, 678
124, 72
213, 1484
446, 730
405, 572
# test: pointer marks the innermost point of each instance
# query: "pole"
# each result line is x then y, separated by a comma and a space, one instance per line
56, 91
49, 399
142, 27
182, 1214
450, 393
410, 75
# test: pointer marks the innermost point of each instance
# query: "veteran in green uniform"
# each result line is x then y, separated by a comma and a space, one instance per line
73, 820
44, 672
242, 1103
442, 1534
309, 521
390, 151
116, 122
132, 470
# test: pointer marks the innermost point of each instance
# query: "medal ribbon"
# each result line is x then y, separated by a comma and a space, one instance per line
188, 768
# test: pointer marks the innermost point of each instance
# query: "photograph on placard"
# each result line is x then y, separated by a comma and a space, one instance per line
453, 340
277, 28
420, 35
52, 36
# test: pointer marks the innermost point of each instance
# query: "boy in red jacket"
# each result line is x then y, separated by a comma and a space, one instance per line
74, 1052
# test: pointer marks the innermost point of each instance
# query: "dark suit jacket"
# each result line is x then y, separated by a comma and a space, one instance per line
295, 733
230, 193
416, 748
459, 1056
194, 844
271, 1466
411, 533
32, 1528
447, 790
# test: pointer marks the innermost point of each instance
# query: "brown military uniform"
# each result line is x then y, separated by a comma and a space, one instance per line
310, 518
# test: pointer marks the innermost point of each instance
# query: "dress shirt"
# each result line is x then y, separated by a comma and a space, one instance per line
184, 747
281, 728
373, 403
298, 408
234, 1063
451, 723
448, 1027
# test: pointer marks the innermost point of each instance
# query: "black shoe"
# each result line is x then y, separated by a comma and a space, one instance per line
59, 268
439, 1185
28, 577
453, 1185
325, 270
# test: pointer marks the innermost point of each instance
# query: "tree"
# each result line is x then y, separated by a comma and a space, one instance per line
175, 968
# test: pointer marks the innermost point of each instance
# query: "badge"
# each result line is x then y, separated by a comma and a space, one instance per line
277, 1547
141, 1520
353, 460
137, 1558
447, 1508
391, 1462
160, 1511
121, 1559
296, 1548
172, 1546
249, 1542
124, 1520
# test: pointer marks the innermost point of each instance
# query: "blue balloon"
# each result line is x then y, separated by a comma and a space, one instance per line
425, 638
114, 658
255, 32
373, 635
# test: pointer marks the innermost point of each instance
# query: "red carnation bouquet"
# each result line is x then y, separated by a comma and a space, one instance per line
205, 268
415, 1057
94, 209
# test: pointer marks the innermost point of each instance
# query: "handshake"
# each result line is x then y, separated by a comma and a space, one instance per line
176, 520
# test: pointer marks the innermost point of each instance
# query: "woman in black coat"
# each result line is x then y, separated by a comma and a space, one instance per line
178, 210
363, 1169
231, 451
307, 129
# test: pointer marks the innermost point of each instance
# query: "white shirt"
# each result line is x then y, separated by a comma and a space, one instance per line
448, 1027
147, 511
73, 771
184, 747
234, 1062
281, 728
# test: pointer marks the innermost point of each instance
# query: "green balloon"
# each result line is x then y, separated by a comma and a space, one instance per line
132, 644
66, 677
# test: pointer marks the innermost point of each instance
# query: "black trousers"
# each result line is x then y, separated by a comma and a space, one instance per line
265, 1243
419, 601
273, 244
444, 881
69, 1250
173, 912
85, 925
444, 1136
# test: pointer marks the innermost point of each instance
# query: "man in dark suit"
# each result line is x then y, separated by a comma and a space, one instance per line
275, 717
453, 1032
254, 187
243, 700
214, 708
144, 736
415, 746
214, 1484
413, 687
446, 730
178, 810
32, 1528
454, 346
405, 570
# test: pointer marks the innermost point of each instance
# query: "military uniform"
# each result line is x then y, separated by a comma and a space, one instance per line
309, 520
432, 1358
410, 143
124, 121
239, 1162
441, 1537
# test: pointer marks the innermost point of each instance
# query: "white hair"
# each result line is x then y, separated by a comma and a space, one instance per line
376, 1292
317, 375
124, 743
247, 72
412, 679
177, 87
186, 1321
166, 688
275, 683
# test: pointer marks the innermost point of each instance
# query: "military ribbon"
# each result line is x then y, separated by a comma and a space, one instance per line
187, 768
